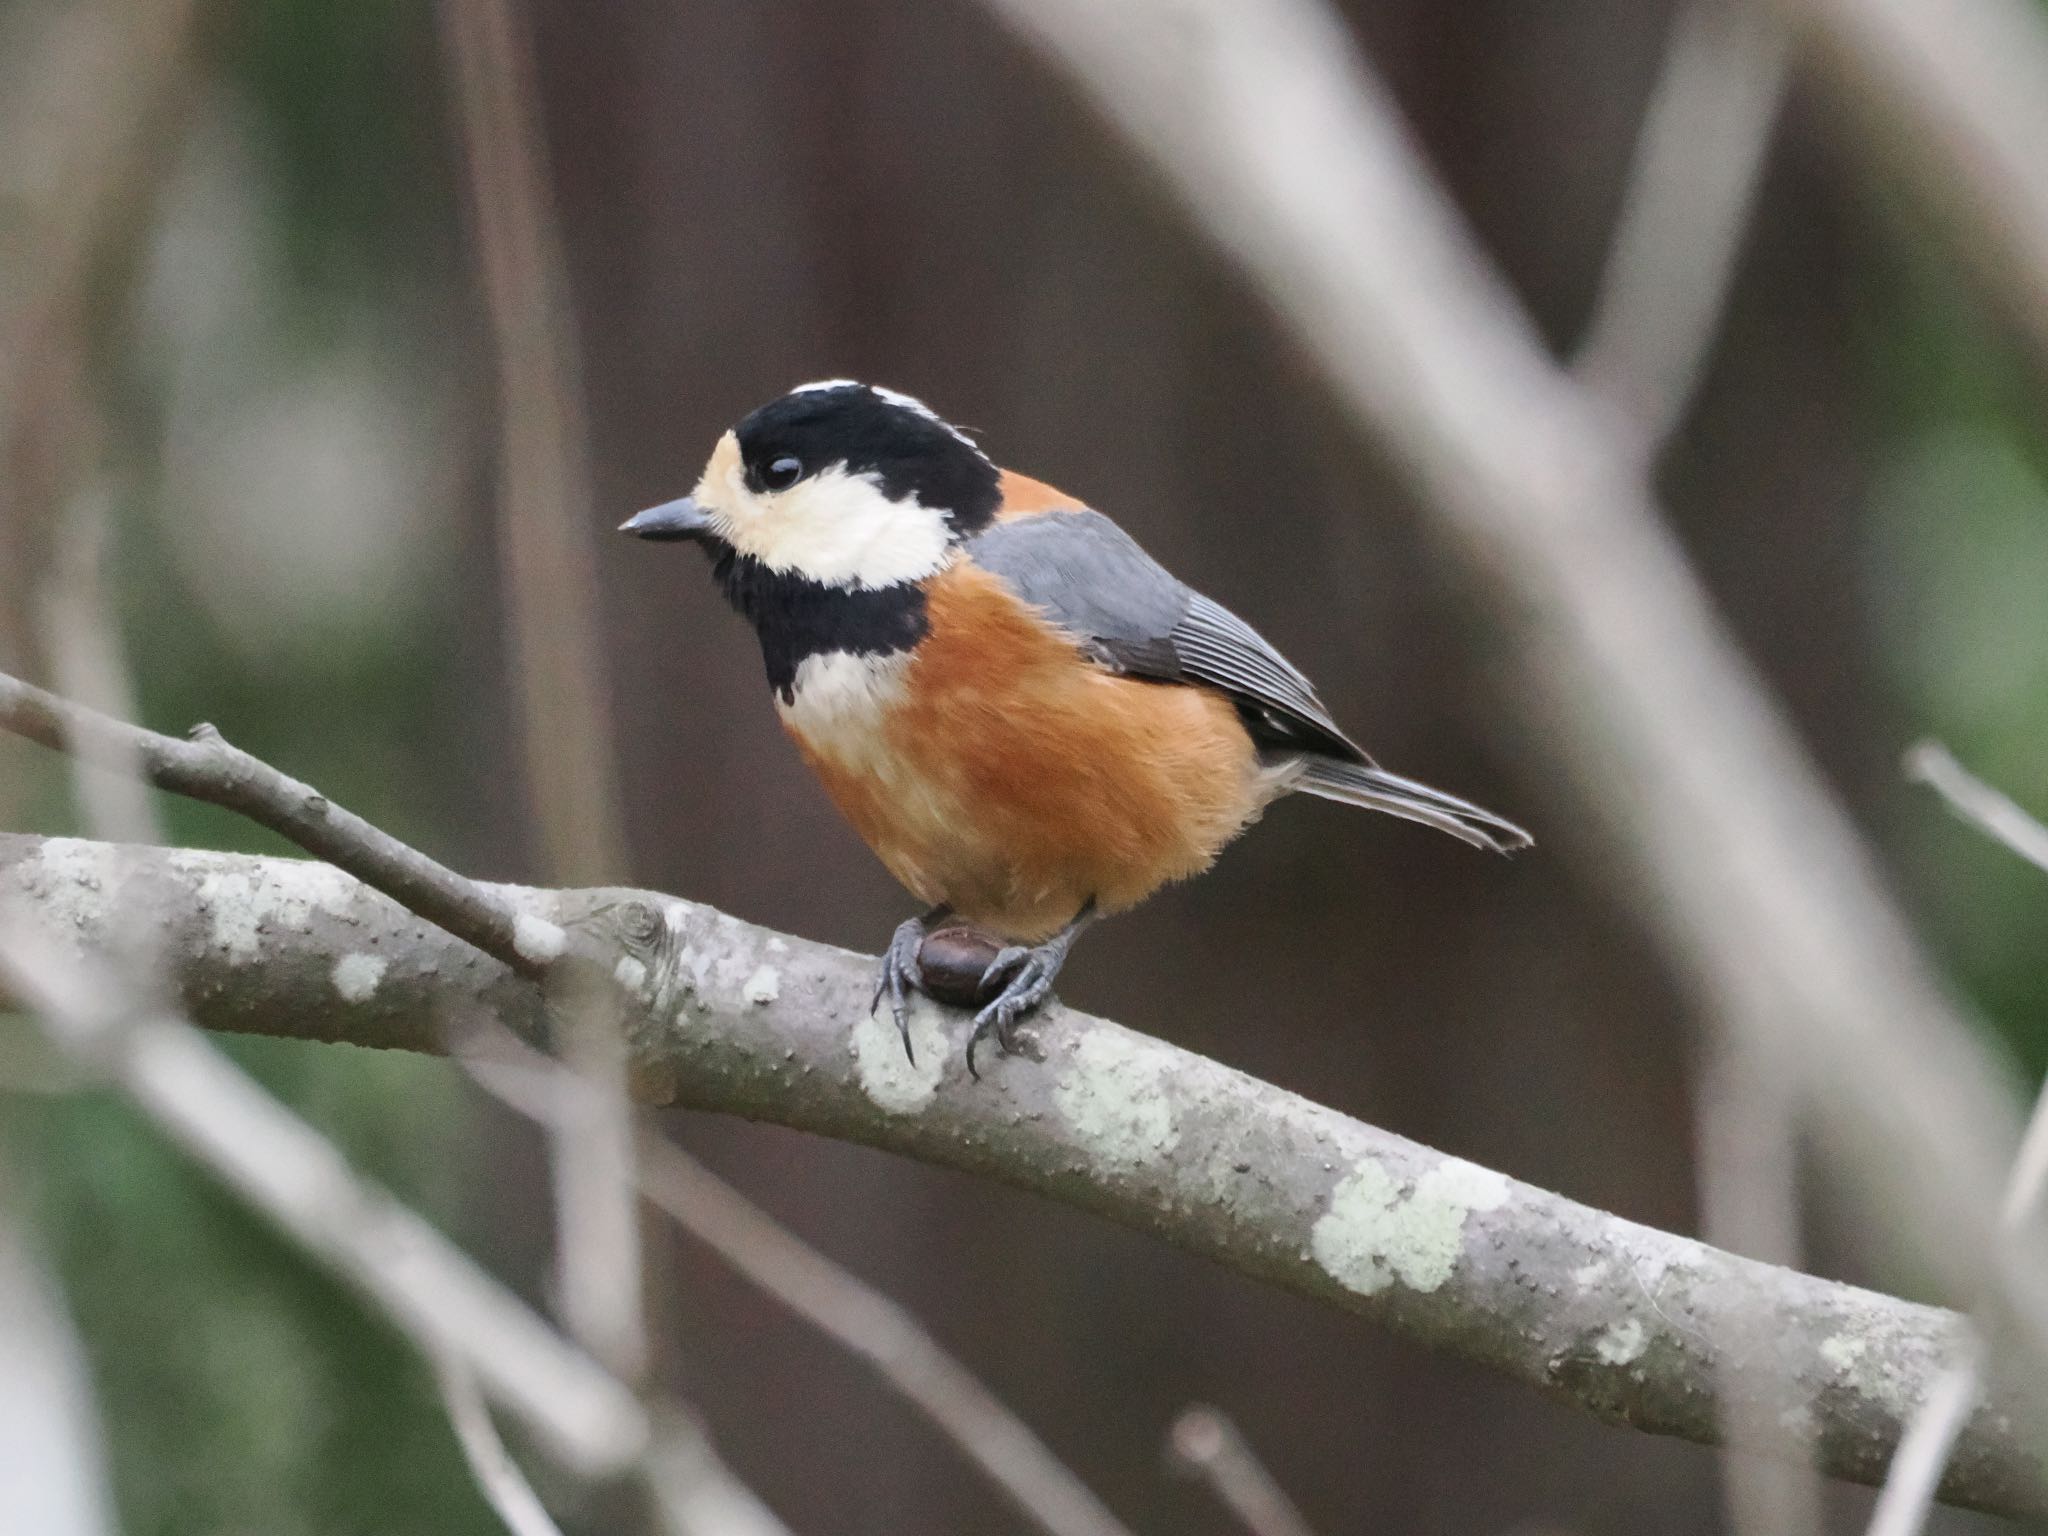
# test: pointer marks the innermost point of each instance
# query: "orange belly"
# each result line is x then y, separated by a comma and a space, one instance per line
996, 770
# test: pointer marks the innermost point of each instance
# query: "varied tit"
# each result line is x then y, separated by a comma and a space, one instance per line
1030, 722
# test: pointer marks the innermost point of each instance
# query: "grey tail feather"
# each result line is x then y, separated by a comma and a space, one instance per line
1378, 790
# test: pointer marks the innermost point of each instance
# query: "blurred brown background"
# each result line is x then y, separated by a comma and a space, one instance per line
758, 192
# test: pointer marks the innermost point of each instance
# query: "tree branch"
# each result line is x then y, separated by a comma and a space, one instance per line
1633, 1325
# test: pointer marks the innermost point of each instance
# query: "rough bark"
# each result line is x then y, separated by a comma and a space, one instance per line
1634, 1325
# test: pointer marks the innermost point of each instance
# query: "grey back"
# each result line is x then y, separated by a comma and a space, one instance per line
1131, 615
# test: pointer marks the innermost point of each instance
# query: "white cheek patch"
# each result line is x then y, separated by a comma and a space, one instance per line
838, 529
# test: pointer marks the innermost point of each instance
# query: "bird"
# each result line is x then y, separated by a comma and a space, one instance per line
1030, 722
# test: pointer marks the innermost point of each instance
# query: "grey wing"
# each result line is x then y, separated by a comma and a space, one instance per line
1130, 614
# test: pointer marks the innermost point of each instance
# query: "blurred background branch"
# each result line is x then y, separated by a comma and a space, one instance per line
557, 670
829, 1297
1907, 1500
1698, 160
52, 1462
1951, 94
1686, 211
298, 1181
1206, 1445
95, 92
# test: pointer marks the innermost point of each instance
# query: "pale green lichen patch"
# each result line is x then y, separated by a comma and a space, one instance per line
887, 1074
1374, 1233
70, 879
246, 898
1842, 1350
356, 976
1621, 1343
1873, 1373
1113, 1093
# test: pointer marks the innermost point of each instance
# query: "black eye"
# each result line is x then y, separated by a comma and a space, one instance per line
782, 473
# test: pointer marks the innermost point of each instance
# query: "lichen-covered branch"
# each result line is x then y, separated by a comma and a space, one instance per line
1636, 1326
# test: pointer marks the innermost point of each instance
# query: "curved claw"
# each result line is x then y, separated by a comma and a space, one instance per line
901, 971
1034, 971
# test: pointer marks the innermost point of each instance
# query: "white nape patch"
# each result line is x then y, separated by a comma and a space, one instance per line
1115, 1095
537, 939
839, 530
1371, 1236
764, 986
895, 397
356, 976
887, 1074
839, 701
911, 403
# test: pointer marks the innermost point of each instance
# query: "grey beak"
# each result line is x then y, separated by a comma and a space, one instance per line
678, 519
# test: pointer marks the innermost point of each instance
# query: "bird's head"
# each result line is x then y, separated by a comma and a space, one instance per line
839, 484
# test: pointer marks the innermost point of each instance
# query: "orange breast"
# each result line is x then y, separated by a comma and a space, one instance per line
1010, 778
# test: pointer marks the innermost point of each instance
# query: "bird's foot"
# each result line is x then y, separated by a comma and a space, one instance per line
901, 974
1031, 973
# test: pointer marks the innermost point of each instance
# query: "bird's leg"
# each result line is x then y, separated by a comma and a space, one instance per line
1032, 971
901, 970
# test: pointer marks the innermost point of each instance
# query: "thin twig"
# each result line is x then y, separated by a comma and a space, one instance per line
832, 1299
556, 655
1930, 1439
1928, 1445
543, 492
207, 767
1701, 152
504, 1486
1206, 1444
1972, 800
